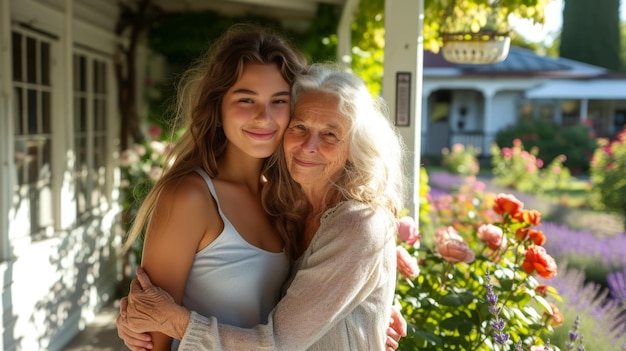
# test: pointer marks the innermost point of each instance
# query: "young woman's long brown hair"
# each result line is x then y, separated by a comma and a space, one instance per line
198, 109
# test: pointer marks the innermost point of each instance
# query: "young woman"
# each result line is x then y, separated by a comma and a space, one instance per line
346, 159
209, 240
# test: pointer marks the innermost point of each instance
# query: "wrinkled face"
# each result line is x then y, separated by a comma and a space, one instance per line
316, 142
255, 111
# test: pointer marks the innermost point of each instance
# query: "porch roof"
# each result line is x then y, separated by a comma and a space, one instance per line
595, 89
295, 14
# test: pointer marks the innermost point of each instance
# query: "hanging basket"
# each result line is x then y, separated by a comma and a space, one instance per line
476, 48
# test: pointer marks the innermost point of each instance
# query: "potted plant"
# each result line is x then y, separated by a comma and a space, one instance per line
475, 33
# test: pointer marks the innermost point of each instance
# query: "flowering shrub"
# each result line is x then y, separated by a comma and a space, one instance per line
520, 169
608, 167
461, 159
141, 167
576, 142
516, 167
474, 286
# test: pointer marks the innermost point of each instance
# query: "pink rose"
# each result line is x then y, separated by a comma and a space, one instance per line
408, 231
492, 235
154, 131
454, 251
407, 264
448, 233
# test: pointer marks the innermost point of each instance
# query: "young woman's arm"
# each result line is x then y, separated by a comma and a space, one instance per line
173, 235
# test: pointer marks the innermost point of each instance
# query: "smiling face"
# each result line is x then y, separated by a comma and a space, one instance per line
255, 111
316, 142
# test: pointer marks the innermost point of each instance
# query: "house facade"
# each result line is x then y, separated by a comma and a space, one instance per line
59, 229
469, 104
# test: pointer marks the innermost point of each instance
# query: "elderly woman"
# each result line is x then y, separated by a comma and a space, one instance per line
345, 160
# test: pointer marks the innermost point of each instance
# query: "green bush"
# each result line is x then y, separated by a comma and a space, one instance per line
517, 168
576, 142
461, 160
608, 174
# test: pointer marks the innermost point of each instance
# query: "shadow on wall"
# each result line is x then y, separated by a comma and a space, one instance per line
55, 289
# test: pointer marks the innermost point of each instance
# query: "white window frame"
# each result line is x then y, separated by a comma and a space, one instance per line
43, 227
91, 182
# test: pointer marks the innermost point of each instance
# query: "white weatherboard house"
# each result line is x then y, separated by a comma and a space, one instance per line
468, 104
59, 235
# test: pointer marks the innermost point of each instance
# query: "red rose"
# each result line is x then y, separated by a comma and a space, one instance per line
507, 203
536, 236
530, 217
537, 259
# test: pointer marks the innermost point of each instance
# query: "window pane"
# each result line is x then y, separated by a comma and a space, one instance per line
99, 113
20, 161
45, 168
81, 153
45, 64
82, 73
17, 57
45, 112
32, 161
18, 111
76, 72
96, 76
31, 60
31, 106
100, 144
103, 80
82, 115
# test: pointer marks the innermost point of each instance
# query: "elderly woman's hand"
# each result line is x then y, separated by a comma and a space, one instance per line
151, 308
134, 341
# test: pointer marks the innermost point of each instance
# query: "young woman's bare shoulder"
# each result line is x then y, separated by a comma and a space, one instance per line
188, 195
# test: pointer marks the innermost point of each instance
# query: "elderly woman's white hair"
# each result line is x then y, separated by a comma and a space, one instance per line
375, 173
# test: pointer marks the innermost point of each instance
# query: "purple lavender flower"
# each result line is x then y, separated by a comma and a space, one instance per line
617, 284
497, 323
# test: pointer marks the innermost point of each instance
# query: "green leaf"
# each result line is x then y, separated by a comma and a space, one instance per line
543, 303
455, 300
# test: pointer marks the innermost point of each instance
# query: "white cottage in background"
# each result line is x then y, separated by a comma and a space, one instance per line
469, 104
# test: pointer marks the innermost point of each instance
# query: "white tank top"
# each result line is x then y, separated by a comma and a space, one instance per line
232, 279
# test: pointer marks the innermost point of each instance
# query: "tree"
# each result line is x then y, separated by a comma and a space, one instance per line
591, 32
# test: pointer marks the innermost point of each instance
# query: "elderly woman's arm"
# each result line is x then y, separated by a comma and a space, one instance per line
349, 257
352, 251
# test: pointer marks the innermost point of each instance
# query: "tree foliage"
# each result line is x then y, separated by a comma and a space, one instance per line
591, 32
440, 16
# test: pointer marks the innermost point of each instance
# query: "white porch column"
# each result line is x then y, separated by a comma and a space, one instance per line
6, 126
402, 81
489, 128
584, 109
66, 154
558, 112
